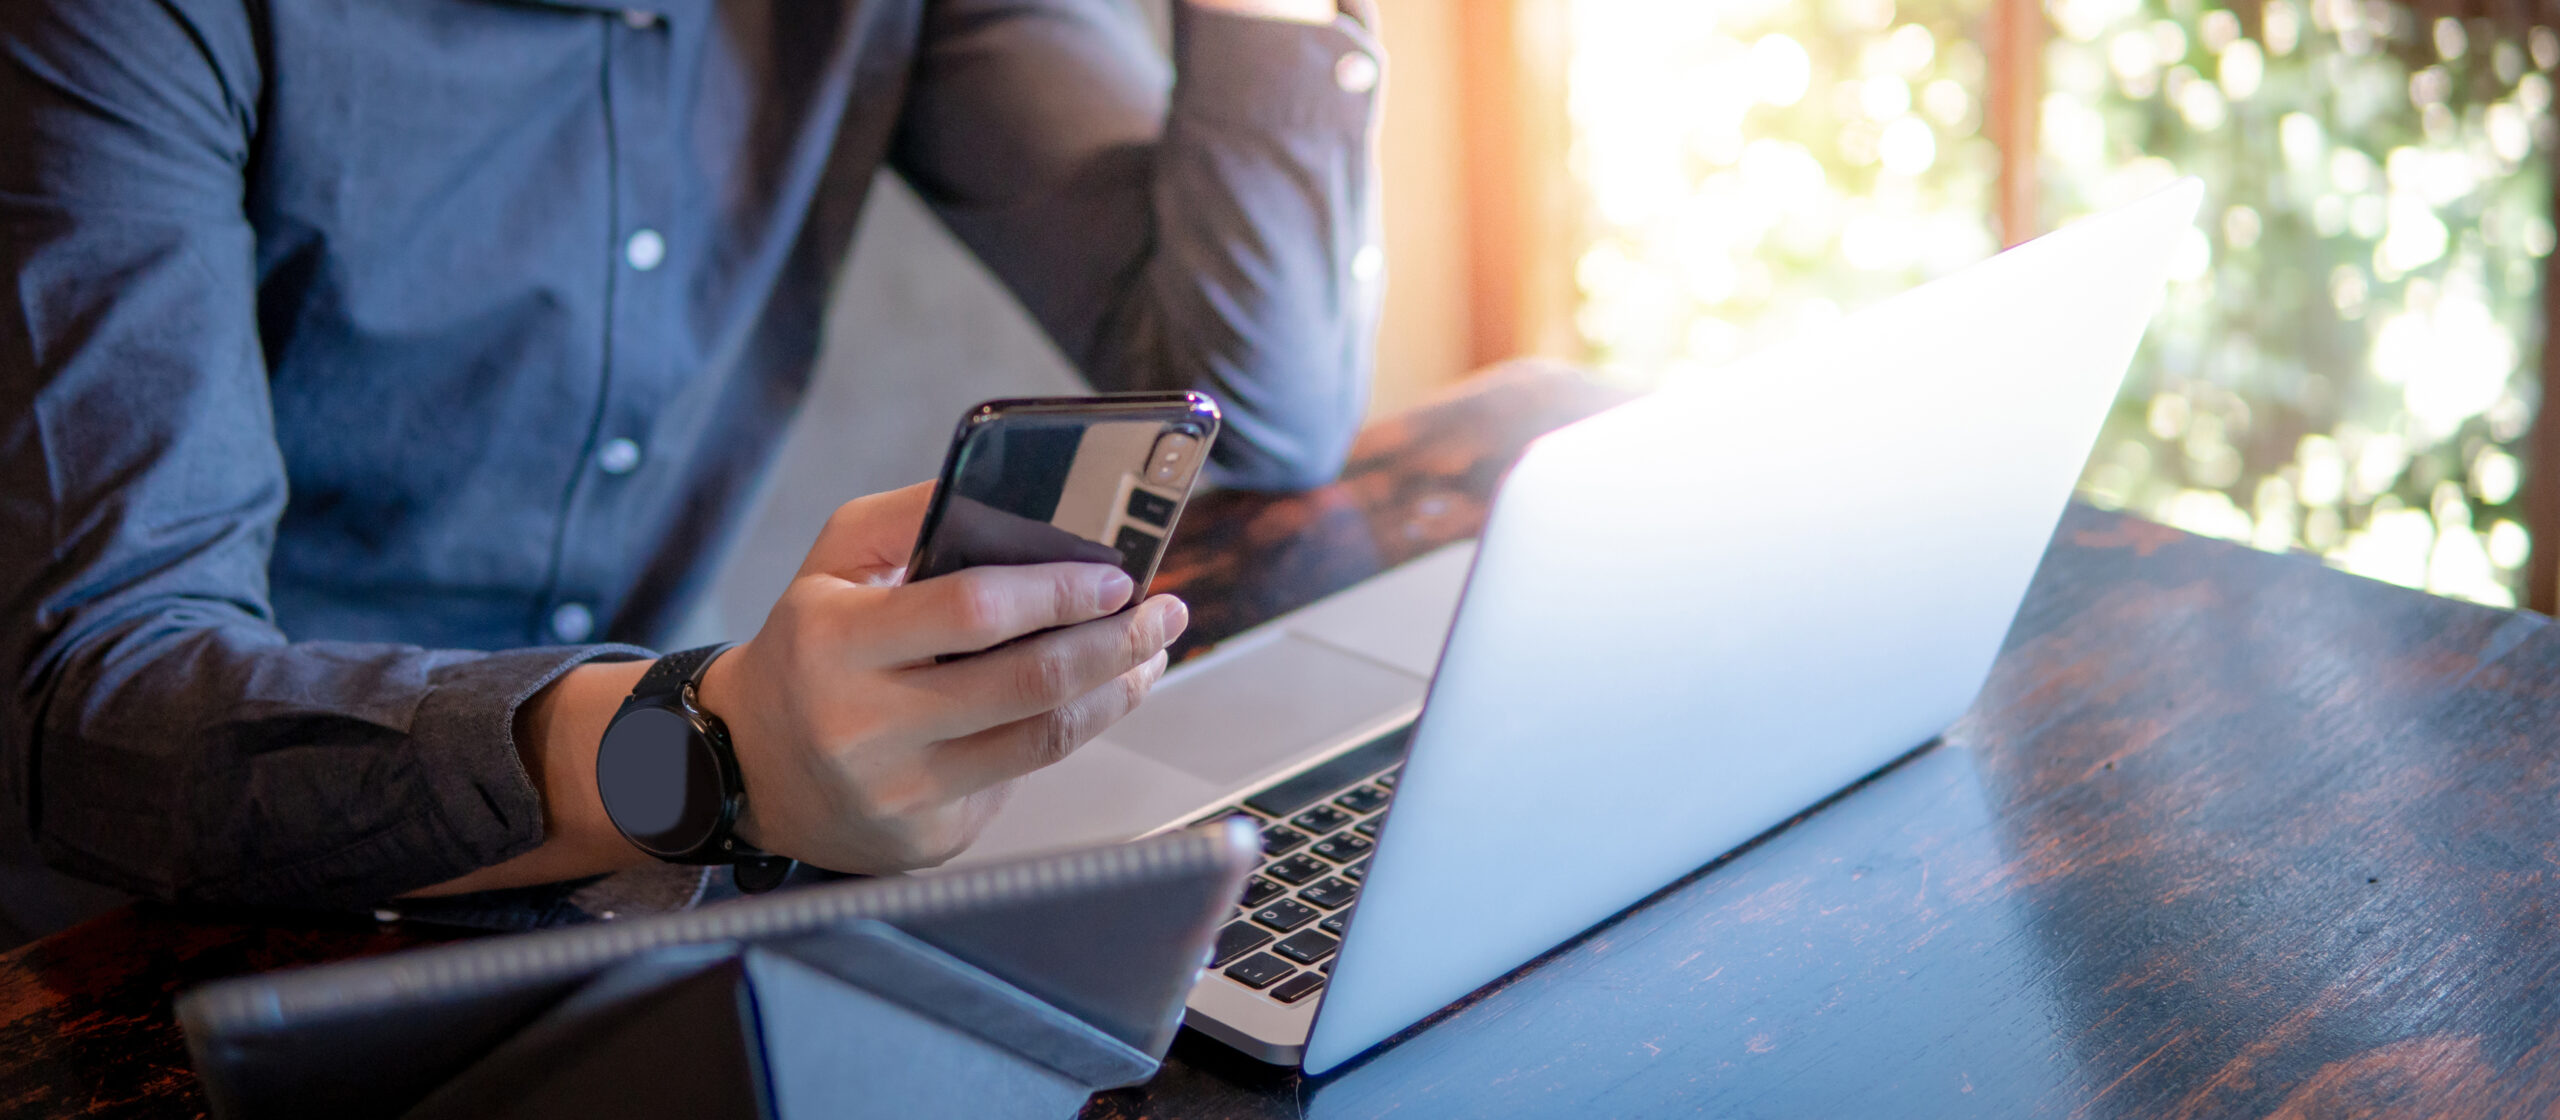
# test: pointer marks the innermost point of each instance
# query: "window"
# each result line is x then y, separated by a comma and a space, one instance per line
1753, 167
2345, 363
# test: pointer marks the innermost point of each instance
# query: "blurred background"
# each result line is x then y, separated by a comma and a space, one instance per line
2350, 362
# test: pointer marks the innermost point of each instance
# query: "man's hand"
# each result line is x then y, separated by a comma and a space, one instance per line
860, 752
1295, 11
863, 754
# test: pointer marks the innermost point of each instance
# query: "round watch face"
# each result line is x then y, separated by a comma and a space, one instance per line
660, 781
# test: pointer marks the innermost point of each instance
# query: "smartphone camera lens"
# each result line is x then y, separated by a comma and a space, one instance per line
1170, 461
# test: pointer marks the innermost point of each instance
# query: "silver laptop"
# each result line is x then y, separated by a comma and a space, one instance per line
1688, 619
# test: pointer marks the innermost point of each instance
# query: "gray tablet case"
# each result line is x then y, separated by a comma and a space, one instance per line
1010, 990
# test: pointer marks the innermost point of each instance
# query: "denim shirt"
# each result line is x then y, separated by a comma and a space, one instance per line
364, 367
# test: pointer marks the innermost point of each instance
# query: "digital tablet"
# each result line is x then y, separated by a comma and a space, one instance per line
1110, 938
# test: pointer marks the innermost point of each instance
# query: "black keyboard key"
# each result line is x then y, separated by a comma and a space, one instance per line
1152, 508
1299, 870
1356, 872
1366, 799
1328, 777
1335, 924
1343, 848
1332, 894
1369, 828
1258, 890
1307, 947
1388, 779
1236, 940
1285, 915
1259, 970
1280, 838
1321, 819
1298, 987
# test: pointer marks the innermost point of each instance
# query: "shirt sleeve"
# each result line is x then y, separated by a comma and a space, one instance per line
158, 732
1210, 227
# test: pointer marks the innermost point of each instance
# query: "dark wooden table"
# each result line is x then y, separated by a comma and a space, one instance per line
2227, 834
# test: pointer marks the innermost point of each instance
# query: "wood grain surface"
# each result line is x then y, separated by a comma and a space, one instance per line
2228, 834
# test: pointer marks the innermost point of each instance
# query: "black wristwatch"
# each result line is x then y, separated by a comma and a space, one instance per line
669, 780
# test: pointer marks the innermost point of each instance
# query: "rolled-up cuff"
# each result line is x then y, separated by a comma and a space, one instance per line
464, 733
478, 806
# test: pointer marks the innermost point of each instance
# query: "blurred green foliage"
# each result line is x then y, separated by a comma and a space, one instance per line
2345, 365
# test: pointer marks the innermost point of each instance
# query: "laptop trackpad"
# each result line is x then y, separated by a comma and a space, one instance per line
1245, 713
1101, 794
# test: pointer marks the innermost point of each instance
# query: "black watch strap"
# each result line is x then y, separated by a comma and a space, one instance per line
754, 870
676, 670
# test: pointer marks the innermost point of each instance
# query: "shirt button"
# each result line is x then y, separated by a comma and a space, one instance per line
645, 249
1368, 263
1356, 72
640, 19
572, 622
617, 456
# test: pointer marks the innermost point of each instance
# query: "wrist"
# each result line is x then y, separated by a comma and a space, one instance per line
563, 725
716, 693
556, 733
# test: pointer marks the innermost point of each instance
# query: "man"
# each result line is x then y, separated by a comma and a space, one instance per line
346, 344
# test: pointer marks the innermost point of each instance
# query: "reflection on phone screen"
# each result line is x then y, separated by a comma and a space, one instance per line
1037, 489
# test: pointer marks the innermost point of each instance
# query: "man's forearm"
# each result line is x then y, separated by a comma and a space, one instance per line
556, 734
860, 749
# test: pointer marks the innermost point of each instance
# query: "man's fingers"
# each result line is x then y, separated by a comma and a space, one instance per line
1031, 677
871, 535
1003, 753
973, 532
979, 608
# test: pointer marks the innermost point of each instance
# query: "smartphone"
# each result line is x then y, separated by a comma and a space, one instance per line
1100, 479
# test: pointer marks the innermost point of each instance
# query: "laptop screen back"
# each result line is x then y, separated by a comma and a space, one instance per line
1697, 614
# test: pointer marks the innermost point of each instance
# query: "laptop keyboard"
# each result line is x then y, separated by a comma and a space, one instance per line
1317, 832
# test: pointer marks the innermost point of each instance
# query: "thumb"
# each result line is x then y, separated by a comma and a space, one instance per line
870, 537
